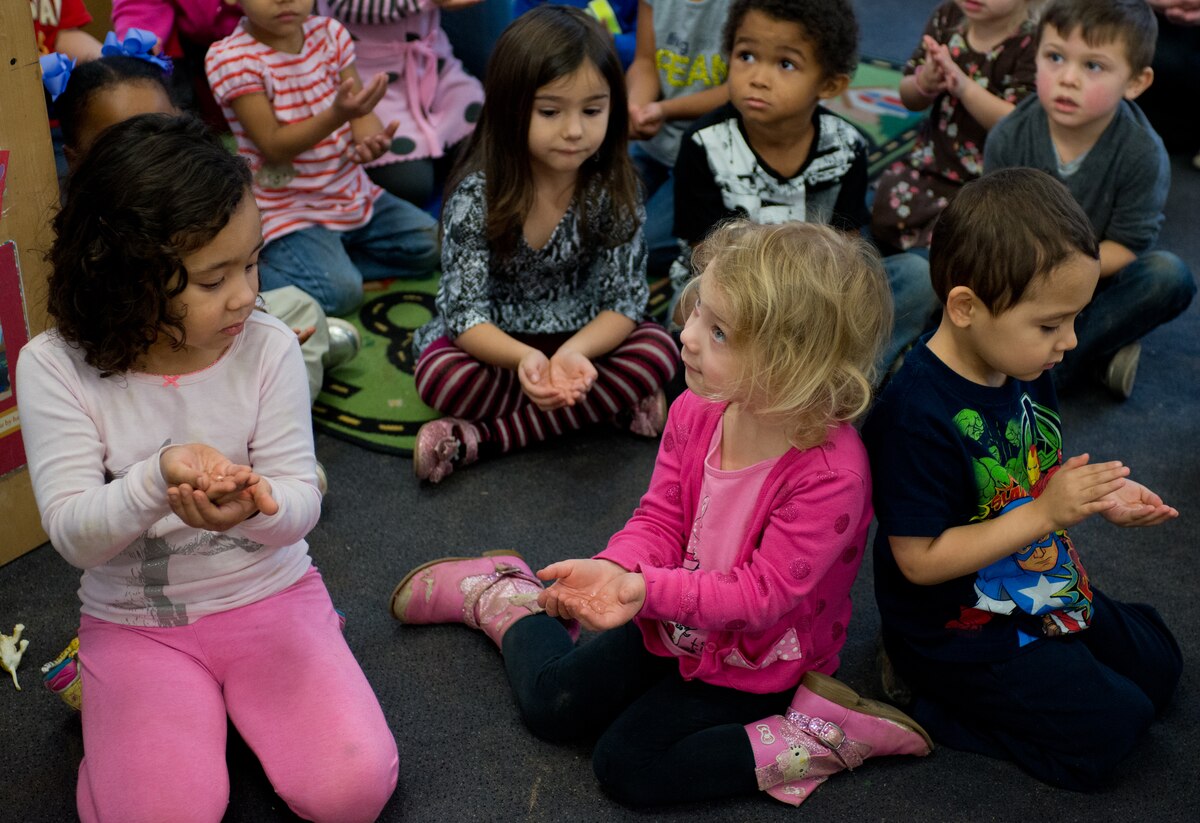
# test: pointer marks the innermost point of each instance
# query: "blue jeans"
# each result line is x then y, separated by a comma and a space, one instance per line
400, 240
1154, 288
662, 739
658, 182
916, 306
1067, 710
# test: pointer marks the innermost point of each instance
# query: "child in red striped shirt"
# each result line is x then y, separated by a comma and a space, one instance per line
288, 86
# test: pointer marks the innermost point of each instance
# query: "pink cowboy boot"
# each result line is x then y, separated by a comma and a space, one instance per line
490, 593
443, 444
828, 728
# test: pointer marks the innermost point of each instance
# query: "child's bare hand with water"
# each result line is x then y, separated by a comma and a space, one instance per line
534, 373
599, 594
206, 490
572, 374
1136, 505
1080, 489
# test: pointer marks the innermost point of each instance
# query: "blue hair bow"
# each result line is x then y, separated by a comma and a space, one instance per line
56, 71
138, 43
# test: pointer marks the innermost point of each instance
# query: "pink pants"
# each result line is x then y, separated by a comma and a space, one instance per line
155, 703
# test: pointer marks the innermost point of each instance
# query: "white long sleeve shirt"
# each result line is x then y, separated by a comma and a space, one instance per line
93, 446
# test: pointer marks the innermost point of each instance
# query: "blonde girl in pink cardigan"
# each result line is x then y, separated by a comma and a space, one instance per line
724, 601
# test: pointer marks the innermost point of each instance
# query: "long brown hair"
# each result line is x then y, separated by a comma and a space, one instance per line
536, 49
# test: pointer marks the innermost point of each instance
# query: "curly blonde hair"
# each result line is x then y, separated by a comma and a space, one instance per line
808, 310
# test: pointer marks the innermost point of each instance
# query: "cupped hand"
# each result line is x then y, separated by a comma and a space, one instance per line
598, 593
572, 374
195, 508
1080, 489
203, 468
1134, 505
350, 105
534, 373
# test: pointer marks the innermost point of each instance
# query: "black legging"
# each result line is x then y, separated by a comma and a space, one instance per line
661, 739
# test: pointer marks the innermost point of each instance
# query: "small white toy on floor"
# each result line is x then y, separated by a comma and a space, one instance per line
11, 649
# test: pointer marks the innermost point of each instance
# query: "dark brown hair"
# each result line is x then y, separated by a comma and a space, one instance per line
1002, 232
150, 191
536, 49
1130, 23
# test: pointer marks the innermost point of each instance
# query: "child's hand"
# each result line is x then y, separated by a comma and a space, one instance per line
1136, 505
350, 105
1078, 490
645, 121
196, 509
572, 375
203, 468
304, 334
373, 147
598, 593
534, 373
953, 78
930, 77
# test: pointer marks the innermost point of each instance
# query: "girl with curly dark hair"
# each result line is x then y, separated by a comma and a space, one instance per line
168, 436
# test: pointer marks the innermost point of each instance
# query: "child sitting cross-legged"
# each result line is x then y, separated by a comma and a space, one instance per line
1093, 61
988, 614
541, 326
724, 601
288, 87
773, 153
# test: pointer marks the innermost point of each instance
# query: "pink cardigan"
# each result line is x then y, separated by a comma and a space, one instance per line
783, 609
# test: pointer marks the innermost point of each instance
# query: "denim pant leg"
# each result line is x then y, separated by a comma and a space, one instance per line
566, 692
400, 240
916, 304
314, 260
1153, 289
658, 186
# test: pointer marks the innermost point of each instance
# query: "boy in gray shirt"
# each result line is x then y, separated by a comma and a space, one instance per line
1084, 128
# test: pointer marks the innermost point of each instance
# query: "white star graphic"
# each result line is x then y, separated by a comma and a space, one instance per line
990, 604
1042, 594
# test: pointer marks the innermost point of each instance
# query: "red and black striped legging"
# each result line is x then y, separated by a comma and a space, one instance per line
457, 384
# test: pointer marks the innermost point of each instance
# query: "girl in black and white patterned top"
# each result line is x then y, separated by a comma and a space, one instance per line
542, 301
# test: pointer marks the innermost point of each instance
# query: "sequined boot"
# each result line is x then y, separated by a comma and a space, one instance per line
490, 593
827, 728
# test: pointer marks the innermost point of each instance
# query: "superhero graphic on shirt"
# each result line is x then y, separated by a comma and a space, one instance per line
1045, 580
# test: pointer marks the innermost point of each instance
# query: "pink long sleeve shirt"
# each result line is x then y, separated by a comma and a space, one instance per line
784, 606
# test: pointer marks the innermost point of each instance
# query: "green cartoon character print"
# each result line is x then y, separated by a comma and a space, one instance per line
1044, 580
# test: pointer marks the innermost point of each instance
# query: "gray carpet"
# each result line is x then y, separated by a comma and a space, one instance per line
464, 754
